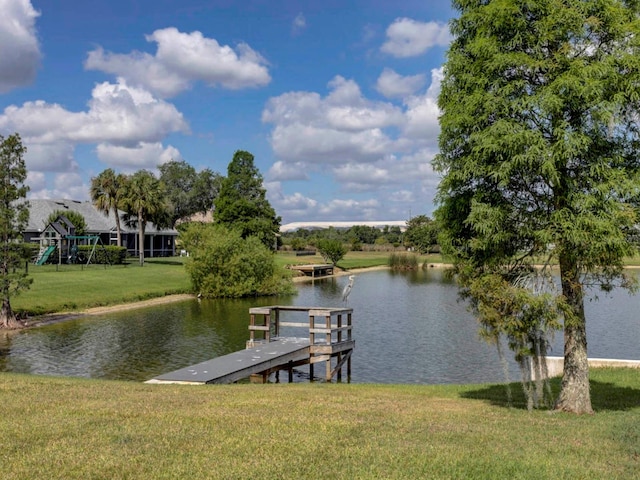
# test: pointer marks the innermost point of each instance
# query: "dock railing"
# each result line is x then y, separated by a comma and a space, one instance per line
329, 331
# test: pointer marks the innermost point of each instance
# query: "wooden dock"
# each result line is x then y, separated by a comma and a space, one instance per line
329, 340
314, 270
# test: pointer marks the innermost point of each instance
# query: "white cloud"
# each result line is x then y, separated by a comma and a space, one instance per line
143, 155
423, 112
409, 38
182, 59
65, 185
50, 157
287, 171
342, 126
19, 50
392, 85
127, 123
374, 149
299, 24
117, 114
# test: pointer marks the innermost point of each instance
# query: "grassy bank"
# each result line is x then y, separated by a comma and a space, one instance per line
74, 428
352, 259
77, 287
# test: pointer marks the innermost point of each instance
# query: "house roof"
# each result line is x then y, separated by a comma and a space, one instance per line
96, 221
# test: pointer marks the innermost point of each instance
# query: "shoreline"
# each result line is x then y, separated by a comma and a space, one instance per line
51, 318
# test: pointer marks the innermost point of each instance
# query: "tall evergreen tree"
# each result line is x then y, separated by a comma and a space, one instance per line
538, 151
14, 215
242, 203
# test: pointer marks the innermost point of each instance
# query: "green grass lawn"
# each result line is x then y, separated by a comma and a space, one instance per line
61, 428
78, 287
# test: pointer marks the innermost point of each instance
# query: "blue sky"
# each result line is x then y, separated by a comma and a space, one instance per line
335, 99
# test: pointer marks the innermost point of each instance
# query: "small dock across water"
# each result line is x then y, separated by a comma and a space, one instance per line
329, 341
314, 270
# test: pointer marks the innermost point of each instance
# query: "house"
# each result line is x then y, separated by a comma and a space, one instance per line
157, 243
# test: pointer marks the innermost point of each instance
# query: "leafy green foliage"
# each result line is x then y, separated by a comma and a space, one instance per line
76, 219
224, 264
188, 192
421, 234
242, 203
107, 192
110, 254
144, 200
14, 215
538, 152
331, 250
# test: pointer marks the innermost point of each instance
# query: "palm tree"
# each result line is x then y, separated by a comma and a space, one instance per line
106, 194
144, 200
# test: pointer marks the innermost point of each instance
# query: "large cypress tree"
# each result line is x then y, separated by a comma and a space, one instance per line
14, 215
242, 203
539, 155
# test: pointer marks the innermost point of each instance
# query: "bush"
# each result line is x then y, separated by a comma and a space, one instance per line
332, 250
109, 254
224, 265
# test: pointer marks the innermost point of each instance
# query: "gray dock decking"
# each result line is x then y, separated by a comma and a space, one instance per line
241, 364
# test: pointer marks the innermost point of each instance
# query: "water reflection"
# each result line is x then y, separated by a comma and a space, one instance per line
409, 328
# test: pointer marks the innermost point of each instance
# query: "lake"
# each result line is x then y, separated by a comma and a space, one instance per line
409, 328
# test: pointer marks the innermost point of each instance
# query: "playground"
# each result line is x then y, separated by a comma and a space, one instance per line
59, 244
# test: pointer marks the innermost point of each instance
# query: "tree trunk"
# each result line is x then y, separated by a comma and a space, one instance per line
8, 319
118, 229
574, 396
141, 226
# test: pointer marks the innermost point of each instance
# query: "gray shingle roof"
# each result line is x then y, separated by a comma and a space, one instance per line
96, 221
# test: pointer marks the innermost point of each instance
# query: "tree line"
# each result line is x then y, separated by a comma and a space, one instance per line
420, 235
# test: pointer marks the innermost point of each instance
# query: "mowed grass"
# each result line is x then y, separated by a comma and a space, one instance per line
71, 288
59, 428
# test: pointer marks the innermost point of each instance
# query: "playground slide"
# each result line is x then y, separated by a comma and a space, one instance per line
45, 255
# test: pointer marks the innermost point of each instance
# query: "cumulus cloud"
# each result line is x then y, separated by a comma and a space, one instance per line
127, 123
19, 50
409, 38
372, 149
342, 126
143, 155
117, 114
182, 59
423, 112
392, 85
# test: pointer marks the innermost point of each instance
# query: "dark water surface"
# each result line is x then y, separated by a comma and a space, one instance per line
408, 327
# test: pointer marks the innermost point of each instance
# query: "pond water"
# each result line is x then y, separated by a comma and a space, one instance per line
409, 328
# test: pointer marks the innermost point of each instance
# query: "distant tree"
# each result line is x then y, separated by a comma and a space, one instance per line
144, 201
242, 203
223, 264
188, 191
421, 233
364, 233
14, 216
76, 219
206, 189
106, 192
539, 160
331, 250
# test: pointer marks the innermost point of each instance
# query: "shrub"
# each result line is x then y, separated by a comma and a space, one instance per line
109, 254
223, 264
332, 250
